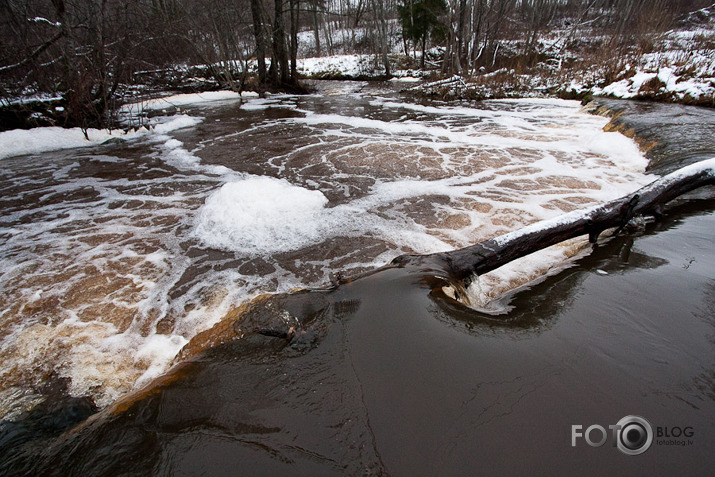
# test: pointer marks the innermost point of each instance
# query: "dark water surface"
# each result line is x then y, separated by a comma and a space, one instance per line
656, 124
383, 376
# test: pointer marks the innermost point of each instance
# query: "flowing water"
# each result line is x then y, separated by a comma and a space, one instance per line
115, 257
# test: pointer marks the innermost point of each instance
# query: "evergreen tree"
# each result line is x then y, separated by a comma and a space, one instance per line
420, 19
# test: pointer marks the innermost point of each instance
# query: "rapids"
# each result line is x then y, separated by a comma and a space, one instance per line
114, 256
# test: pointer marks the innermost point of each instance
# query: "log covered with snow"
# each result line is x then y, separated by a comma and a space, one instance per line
462, 264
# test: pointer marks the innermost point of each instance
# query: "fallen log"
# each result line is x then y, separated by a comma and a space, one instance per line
465, 263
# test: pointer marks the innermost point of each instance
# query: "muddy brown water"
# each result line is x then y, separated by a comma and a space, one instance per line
386, 377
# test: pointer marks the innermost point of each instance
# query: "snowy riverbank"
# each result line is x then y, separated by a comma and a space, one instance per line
678, 67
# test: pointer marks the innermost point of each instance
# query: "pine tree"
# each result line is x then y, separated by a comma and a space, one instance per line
420, 19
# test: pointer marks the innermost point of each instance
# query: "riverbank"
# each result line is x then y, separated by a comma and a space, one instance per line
675, 66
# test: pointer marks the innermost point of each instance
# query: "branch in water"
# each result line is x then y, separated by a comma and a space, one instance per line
491, 254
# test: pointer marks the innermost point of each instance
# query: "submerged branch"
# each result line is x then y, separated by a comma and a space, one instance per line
491, 254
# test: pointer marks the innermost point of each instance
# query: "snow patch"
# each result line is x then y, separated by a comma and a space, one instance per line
19, 142
338, 65
178, 100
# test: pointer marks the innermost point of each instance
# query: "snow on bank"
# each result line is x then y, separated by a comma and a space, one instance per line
662, 82
352, 66
338, 65
178, 100
19, 142
680, 67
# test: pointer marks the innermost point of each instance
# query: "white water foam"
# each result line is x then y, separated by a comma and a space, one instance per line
103, 279
261, 215
544, 158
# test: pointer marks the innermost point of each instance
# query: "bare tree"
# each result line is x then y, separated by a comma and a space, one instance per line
279, 59
294, 22
258, 34
382, 33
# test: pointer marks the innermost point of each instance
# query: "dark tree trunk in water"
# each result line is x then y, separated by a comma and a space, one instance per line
491, 254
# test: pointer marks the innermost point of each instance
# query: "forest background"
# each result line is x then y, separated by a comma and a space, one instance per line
74, 63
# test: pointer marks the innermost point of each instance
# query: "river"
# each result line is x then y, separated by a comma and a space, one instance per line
114, 258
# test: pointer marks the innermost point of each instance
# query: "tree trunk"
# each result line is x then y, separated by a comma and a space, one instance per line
627, 13
316, 30
260, 41
463, 264
358, 13
294, 21
476, 33
424, 52
379, 8
279, 46
328, 34
448, 59
462, 45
